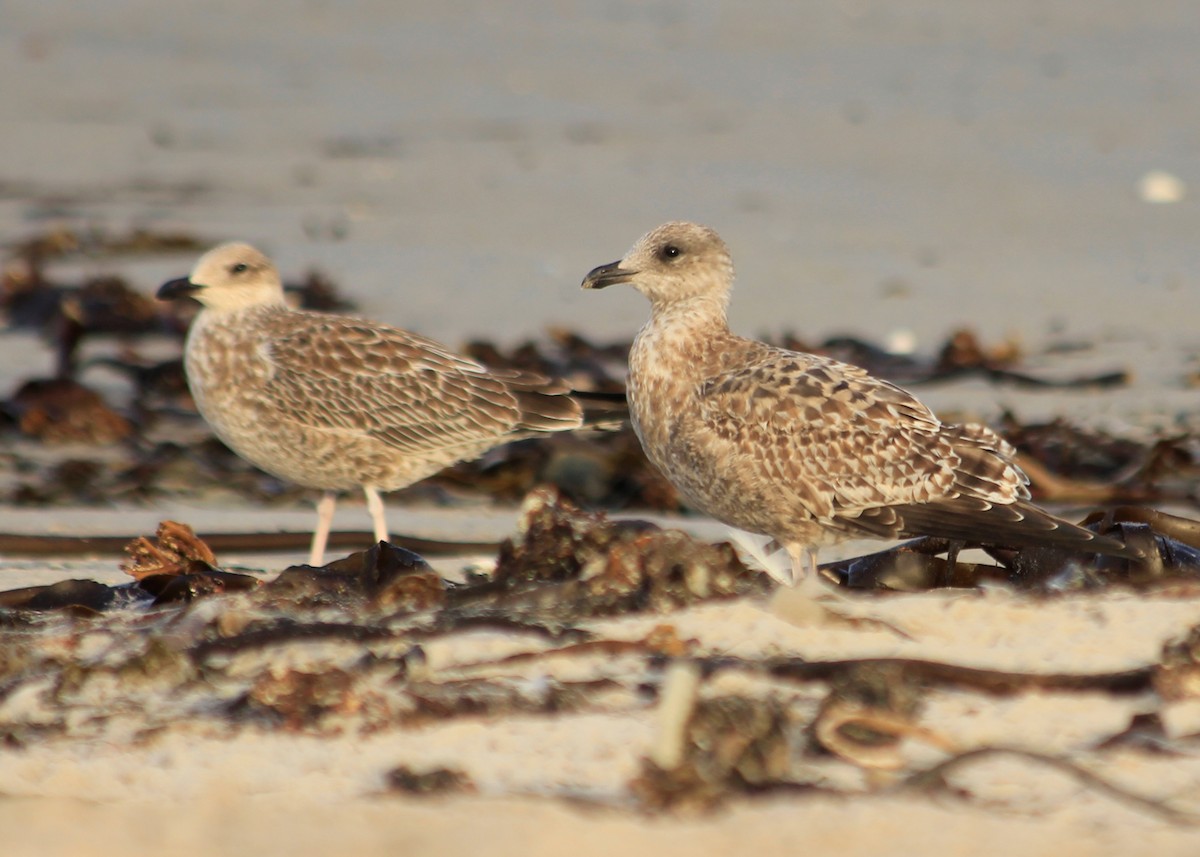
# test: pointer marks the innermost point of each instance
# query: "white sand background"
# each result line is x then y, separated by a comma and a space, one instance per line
883, 169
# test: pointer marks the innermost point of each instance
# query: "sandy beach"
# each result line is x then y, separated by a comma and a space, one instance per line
889, 173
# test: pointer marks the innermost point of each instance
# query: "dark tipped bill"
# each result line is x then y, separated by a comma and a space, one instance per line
607, 275
175, 289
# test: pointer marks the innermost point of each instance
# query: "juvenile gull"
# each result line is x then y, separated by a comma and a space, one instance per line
807, 450
337, 403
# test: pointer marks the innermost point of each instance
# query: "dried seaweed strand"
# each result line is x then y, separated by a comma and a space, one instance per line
995, 682
446, 623
829, 729
21, 544
934, 778
283, 632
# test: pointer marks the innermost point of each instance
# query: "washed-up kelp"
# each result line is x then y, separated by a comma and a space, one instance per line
342, 648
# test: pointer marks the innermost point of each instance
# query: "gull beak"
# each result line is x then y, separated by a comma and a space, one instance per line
175, 289
608, 275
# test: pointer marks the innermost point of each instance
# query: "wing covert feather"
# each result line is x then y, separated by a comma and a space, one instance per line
407, 391
843, 440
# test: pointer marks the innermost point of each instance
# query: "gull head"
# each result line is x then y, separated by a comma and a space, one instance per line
676, 262
228, 277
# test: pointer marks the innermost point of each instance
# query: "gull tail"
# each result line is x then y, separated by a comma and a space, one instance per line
1020, 523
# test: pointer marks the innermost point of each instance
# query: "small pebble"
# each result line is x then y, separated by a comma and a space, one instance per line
1159, 186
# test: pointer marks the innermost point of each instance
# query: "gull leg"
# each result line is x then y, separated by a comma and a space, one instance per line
800, 604
799, 567
811, 580
805, 576
761, 555
325, 507
813, 584
375, 507
804, 564
805, 603
810, 563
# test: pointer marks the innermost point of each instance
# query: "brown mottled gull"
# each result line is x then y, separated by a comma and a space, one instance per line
804, 449
337, 403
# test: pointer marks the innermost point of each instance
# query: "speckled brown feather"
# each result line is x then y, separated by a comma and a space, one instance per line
334, 402
802, 448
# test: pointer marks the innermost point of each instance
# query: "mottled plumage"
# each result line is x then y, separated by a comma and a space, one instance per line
336, 403
802, 448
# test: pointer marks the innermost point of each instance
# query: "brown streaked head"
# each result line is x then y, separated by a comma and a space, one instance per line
676, 261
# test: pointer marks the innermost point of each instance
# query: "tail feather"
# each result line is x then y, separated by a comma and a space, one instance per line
547, 412
1017, 523
985, 465
603, 411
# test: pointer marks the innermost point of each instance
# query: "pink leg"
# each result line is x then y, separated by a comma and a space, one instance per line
375, 507
804, 564
804, 571
325, 507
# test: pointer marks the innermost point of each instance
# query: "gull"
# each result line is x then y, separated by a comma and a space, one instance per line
806, 450
339, 403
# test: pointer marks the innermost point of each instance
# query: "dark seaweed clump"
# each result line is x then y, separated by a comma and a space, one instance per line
343, 648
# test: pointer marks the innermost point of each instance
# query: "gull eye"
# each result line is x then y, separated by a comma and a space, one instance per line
239, 268
670, 251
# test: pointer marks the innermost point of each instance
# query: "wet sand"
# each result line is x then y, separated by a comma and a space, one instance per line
872, 169
877, 171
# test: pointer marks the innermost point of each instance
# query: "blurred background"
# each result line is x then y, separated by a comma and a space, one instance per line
890, 170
